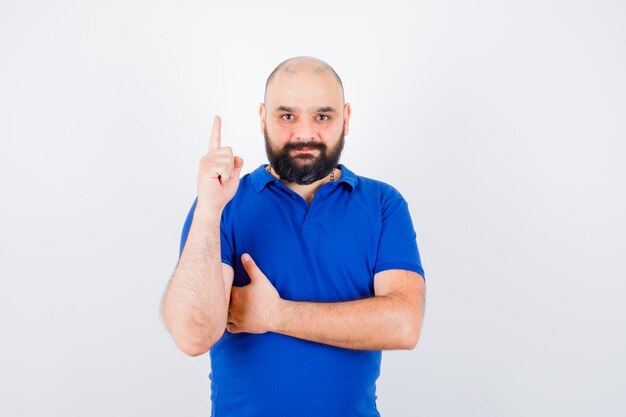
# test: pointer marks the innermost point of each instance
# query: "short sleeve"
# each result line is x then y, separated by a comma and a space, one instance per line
225, 246
397, 246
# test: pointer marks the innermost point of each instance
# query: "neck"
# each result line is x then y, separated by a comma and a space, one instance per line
308, 190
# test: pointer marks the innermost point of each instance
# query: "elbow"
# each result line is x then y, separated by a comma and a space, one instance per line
410, 341
192, 350
194, 344
195, 348
411, 335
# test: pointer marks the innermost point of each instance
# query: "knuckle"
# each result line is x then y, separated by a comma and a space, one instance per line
209, 156
225, 151
207, 161
223, 158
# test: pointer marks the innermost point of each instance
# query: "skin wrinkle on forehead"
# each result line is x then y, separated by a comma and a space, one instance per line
295, 65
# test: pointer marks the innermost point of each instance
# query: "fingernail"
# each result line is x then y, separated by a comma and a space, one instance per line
245, 257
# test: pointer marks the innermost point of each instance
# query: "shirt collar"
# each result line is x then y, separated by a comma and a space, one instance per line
260, 177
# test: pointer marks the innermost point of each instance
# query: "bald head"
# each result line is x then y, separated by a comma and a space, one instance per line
302, 64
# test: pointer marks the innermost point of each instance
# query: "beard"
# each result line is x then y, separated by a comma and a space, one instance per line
304, 168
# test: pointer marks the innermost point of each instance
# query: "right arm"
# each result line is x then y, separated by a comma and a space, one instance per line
195, 304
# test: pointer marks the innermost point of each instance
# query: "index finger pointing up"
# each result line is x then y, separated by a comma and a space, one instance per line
215, 140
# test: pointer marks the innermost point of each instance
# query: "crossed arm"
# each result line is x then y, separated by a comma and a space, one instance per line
200, 303
392, 319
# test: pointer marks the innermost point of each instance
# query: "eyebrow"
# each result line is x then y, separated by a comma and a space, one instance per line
324, 109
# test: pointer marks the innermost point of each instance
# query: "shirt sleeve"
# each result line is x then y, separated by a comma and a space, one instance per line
397, 246
225, 246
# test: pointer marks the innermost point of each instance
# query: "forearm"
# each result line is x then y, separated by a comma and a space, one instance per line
195, 306
374, 323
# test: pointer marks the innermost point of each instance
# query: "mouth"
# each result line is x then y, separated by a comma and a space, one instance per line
306, 149
303, 156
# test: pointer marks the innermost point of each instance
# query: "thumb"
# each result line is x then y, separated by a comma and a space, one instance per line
238, 164
250, 266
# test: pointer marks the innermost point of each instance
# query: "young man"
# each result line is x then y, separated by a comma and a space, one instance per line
297, 275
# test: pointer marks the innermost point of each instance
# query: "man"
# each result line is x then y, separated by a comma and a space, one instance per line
296, 276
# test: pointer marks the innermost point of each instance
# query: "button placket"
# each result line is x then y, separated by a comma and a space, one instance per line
313, 207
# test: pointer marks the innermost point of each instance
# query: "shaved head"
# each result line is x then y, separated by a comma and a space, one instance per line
298, 64
304, 119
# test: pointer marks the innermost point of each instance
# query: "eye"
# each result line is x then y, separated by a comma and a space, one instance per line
323, 117
287, 117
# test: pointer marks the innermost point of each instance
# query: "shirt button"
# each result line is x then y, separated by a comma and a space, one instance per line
293, 197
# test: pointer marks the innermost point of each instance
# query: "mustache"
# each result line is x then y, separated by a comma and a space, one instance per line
300, 145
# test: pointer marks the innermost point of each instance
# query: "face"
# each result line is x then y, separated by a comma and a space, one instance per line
303, 162
304, 121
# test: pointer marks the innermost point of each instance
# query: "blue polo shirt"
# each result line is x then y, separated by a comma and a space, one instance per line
327, 251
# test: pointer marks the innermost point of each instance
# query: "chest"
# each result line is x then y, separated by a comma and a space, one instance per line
323, 251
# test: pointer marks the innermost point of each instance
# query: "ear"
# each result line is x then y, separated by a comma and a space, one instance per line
347, 110
262, 116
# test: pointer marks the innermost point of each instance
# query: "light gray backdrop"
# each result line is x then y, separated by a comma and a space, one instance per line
502, 124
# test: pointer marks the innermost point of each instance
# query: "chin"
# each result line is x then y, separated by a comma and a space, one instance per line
304, 158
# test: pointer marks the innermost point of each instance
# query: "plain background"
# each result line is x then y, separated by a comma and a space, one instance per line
501, 123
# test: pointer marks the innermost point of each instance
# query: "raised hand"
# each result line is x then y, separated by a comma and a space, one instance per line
218, 174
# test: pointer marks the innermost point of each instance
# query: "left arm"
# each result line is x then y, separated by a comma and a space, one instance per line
389, 320
392, 319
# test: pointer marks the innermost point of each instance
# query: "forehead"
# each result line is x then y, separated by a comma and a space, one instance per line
304, 88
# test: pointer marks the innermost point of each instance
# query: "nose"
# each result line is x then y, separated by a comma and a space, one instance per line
304, 130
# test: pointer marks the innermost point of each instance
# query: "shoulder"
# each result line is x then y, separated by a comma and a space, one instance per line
248, 199
245, 190
384, 192
382, 198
